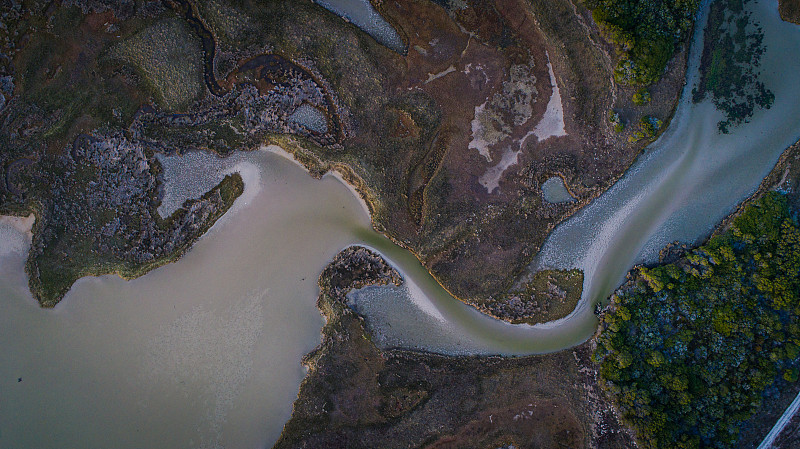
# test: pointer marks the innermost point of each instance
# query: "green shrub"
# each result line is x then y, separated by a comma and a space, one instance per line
645, 32
616, 120
641, 97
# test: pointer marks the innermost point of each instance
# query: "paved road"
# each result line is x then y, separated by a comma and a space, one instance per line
778, 427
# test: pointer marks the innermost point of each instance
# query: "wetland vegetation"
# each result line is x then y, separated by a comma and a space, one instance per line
731, 64
178, 76
92, 91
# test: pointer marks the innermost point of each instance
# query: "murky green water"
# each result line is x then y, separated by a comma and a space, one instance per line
204, 352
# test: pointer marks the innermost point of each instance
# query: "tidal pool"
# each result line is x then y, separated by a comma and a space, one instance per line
310, 117
554, 191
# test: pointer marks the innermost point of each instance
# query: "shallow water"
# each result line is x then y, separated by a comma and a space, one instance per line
204, 352
363, 15
554, 191
688, 180
310, 117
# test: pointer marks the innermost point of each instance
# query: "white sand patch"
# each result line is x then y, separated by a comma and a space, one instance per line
478, 141
436, 76
491, 179
417, 296
338, 176
422, 302
251, 177
275, 149
552, 124
332, 173
15, 234
490, 124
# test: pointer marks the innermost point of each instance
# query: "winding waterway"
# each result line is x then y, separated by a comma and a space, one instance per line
678, 190
205, 352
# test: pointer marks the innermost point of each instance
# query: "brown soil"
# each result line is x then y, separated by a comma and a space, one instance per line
790, 10
358, 396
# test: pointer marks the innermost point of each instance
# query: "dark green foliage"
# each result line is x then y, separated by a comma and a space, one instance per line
650, 125
730, 64
646, 32
692, 345
641, 97
648, 128
616, 120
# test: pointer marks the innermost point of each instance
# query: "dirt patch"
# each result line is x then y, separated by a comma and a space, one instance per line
790, 10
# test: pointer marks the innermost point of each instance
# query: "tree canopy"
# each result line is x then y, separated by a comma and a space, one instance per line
690, 346
646, 33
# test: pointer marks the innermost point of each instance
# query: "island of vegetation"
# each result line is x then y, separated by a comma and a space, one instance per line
790, 10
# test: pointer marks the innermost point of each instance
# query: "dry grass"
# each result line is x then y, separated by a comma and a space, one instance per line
226, 22
169, 56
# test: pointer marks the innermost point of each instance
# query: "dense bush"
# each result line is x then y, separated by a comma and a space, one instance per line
646, 33
641, 97
690, 346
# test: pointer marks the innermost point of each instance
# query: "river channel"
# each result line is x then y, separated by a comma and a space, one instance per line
205, 352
